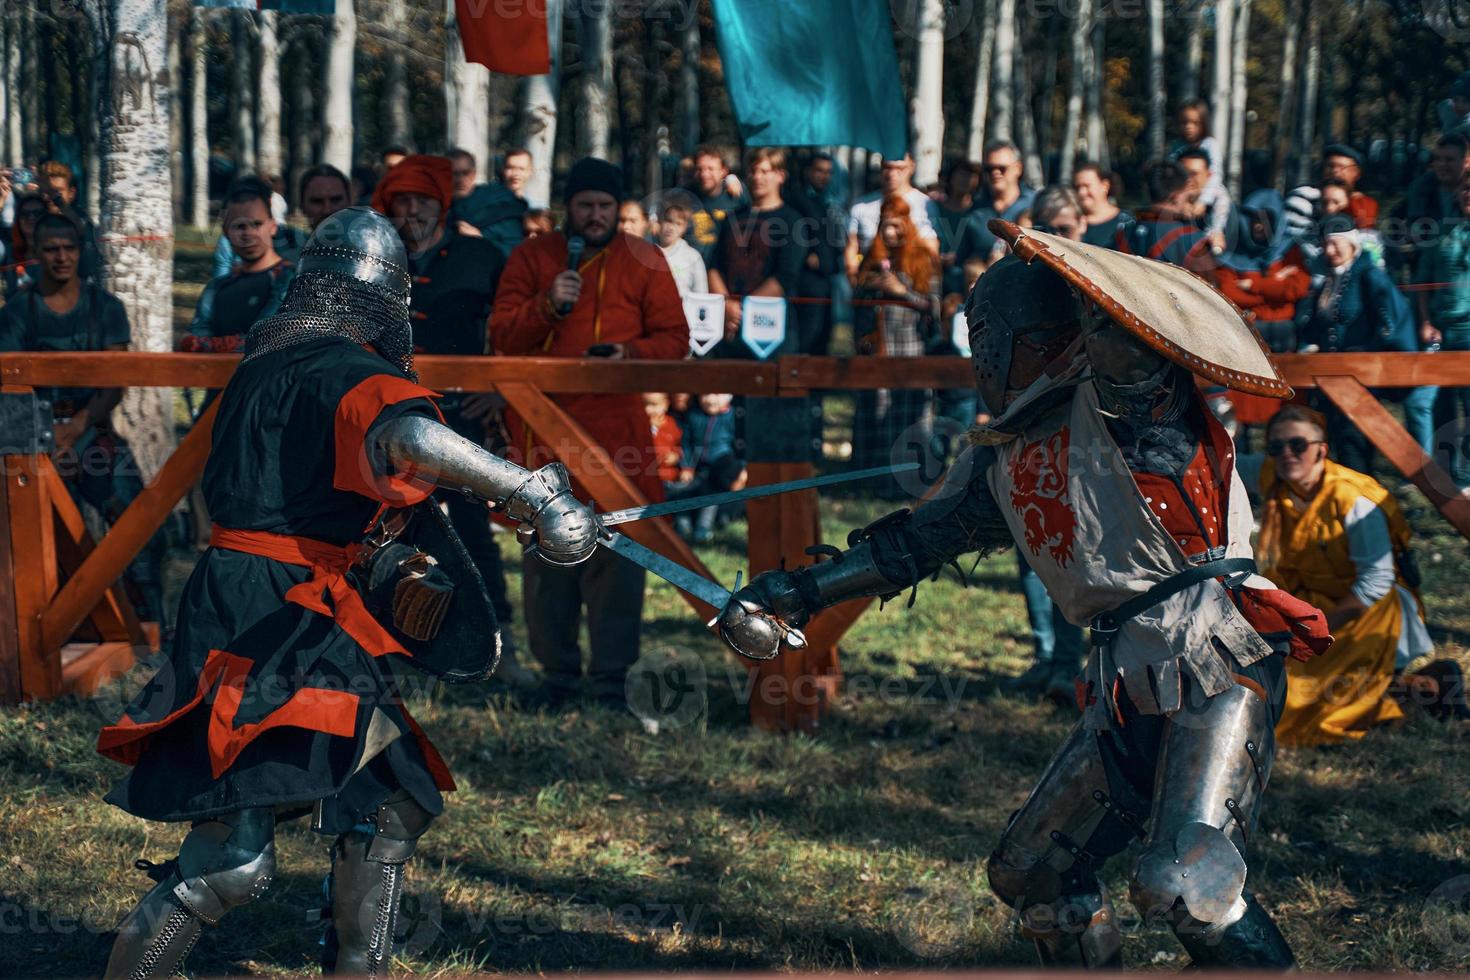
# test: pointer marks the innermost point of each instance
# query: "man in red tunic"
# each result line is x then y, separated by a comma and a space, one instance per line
616, 298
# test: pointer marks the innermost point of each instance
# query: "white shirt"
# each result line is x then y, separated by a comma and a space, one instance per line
867, 213
687, 265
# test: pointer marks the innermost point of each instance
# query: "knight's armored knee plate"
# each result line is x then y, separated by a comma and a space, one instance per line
223, 863
367, 882
1213, 768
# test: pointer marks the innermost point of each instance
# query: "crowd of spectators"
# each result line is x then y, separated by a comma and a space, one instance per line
1322, 268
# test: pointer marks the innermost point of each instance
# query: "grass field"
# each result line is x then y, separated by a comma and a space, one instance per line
578, 841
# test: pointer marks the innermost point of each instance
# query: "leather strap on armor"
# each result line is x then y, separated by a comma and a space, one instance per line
1105, 626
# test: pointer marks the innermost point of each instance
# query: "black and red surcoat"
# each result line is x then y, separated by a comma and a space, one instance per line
278, 689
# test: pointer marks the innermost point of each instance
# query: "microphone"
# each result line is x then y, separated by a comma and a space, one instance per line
576, 245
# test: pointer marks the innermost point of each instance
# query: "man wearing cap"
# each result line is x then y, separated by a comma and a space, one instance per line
1342, 162
617, 300
454, 279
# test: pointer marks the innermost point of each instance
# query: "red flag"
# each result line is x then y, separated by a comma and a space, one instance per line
508, 36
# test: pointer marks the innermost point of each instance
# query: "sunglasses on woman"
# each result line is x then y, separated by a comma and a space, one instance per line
1297, 444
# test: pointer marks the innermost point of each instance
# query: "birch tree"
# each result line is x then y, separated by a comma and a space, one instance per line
269, 158
137, 217
1224, 71
980, 105
1031, 168
304, 128
597, 104
338, 84
1311, 76
242, 92
198, 119
466, 96
1194, 52
30, 92
1004, 70
1239, 37
9, 85
688, 79
538, 112
395, 74
1076, 82
927, 110
1097, 133
1156, 84
176, 137
1282, 137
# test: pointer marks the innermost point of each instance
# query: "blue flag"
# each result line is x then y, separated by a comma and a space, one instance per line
813, 72
327, 7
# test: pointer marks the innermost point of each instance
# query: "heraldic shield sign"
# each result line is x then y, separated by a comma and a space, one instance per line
420, 583
1176, 312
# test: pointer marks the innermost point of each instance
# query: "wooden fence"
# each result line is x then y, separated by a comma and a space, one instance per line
67, 627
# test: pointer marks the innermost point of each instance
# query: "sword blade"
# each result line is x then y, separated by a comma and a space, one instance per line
615, 517
667, 569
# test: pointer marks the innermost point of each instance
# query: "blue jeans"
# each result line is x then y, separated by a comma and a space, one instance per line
1419, 416
1057, 641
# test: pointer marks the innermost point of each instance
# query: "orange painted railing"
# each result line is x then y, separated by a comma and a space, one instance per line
58, 587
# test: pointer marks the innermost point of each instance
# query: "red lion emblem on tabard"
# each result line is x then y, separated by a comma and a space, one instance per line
1039, 495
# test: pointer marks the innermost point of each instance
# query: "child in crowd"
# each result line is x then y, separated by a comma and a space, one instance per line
684, 259
711, 463
632, 219
1192, 120
668, 438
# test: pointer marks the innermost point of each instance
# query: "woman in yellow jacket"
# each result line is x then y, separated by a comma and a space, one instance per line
1335, 537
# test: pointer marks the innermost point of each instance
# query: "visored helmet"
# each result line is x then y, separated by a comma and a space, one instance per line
1022, 317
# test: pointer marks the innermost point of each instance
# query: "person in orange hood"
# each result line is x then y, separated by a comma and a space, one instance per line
618, 300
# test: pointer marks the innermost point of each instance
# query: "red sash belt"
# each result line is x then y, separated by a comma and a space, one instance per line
329, 564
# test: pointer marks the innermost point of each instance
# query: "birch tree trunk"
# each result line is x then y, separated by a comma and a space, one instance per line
1194, 52
1157, 96
1236, 154
1097, 133
1004, 66
198, 119
395, 78
688, 80
304, 129
598, 98
1076, 82
980, 106
96, 56
137, 220
466, 96
338, 84
655, 93
1282, 135
242, 92
1224, 65
9, 79
269, 157
1311, 75
1031, 169
176, 138
30, 92
927, 110
1045, 115
538, 110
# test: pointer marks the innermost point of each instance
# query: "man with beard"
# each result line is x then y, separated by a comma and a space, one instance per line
454, 280
617, 299
63, 311
273, 703
1105, 464
254, 287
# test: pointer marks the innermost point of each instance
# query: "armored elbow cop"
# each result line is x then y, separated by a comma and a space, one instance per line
565, 533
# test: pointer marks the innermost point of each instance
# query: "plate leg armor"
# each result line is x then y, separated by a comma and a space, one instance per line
367, 882
223, 863
1212, 772
1044, 870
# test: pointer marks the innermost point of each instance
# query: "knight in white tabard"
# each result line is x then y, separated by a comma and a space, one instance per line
1104, 464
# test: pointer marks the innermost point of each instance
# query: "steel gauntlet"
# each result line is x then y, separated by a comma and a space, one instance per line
771, 610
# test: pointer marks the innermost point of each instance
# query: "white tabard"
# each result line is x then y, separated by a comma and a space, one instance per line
1082, 523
